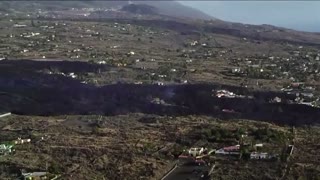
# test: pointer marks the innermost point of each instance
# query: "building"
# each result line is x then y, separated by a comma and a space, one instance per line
195, 155
258, 155
22, 141
34, 176
276, 100
229, 150
236, 70
258, 145
297, 85
102, 62
159, 83
195, 151
262, 155
225, 93
19, 25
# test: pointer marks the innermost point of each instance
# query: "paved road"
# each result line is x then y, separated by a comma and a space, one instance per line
188, 172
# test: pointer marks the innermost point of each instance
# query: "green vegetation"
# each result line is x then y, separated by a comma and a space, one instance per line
55, 168
221, 134
270, 135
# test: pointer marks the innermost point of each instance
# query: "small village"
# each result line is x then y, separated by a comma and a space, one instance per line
212, 148
83, 96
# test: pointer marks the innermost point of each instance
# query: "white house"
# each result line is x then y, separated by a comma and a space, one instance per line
258, 155
195, 151
258, 145
22, 141
236, 70
159, 83
102, 62
19, 25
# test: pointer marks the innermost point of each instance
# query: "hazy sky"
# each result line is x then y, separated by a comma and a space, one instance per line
300, 15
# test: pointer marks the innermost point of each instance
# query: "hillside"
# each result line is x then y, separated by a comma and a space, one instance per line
168, 14
175, 9
168, 8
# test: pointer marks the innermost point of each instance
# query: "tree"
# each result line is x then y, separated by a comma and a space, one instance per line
55, 168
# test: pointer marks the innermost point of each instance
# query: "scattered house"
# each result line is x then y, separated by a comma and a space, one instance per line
195, 151
75, 57
297, 84
228, 111
307, 94
34, 175
258, 155
258, 145
195, 155
254, 66
271, 65
102, 62
22, 141
72, 75
35, 34
121, 65
307, 103
5, 149
159, 83
236, 70
276, 100
225, 93
76, 50
19, 25
229, 150
286, 89
194, 43
262, 155
232, 148
158, 101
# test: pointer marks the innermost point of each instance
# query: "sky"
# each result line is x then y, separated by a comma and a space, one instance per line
299, 15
